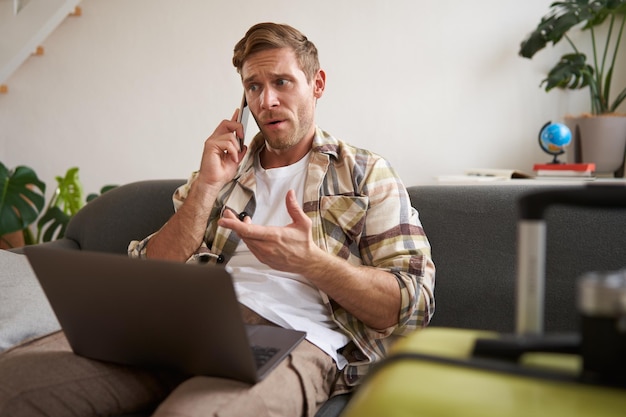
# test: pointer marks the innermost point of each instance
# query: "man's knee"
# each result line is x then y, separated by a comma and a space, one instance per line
45, 378
205, 396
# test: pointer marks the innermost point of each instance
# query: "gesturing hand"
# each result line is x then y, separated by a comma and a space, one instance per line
370, 294
289, 248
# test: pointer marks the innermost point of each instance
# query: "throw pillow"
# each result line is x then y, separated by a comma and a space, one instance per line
25, 313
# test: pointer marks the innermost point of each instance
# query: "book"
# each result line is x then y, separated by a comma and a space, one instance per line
565, 170
480, 175
496, 173
578, 167
563, 173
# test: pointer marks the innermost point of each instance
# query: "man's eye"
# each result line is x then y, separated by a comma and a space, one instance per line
252, 88
281, 82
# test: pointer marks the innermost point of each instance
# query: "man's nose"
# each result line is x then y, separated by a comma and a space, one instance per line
269, 98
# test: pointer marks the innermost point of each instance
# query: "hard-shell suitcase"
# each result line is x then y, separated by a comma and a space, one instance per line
459, 372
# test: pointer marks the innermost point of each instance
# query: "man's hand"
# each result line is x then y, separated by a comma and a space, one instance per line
290, 248
221, 155
370, 294
183, 233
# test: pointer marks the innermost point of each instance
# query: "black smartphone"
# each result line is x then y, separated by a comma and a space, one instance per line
242, 118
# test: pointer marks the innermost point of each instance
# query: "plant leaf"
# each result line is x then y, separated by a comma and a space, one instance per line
29, 238
572, 72
552, 27
69, 193
21, 198
618, 100
52, 224
563, 16
607, 86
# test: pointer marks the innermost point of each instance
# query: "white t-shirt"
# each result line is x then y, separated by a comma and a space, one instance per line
286, 299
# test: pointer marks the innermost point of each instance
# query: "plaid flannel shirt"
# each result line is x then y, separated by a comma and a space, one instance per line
361, 212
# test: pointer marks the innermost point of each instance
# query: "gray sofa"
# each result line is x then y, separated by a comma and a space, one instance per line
472, 230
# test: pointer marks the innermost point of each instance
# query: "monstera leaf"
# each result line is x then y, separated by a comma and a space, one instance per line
21, 198
65, 203
52, 224
574, 71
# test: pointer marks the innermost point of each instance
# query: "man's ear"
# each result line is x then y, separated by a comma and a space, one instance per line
319, 83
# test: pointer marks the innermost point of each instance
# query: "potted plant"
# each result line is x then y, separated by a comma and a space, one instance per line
66, 201
22, 201
605, 146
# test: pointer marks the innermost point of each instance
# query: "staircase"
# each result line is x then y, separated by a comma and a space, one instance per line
22, 33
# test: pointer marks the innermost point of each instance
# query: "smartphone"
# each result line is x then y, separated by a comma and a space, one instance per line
242, 118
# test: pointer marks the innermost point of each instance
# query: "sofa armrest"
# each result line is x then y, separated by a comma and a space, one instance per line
62, 243
128, 212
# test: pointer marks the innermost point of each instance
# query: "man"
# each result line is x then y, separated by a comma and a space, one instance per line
318, 235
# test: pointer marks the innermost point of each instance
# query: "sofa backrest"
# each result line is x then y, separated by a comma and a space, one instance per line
472, 230
473, 233
129, 212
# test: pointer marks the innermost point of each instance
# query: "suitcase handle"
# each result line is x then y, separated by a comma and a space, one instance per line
532, 244
533, 205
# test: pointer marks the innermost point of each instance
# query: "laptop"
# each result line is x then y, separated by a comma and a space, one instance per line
157, 314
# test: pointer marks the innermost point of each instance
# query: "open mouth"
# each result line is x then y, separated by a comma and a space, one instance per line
273, 123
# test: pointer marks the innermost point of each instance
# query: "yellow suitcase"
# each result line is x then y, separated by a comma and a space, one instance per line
432, 374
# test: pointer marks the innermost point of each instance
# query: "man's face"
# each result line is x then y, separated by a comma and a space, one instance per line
280, 98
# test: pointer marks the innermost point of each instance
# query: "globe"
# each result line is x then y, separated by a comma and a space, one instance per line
553, 137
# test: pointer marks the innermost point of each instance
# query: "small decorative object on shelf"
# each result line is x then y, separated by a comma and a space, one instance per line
553, 138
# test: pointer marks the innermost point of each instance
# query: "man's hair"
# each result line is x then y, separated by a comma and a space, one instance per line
266, 36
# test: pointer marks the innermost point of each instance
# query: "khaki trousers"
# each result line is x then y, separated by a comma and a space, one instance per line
297, 387
44, 378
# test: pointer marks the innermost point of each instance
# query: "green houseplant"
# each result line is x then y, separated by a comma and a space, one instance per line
22, 202
575, 70
64, 203
67, 200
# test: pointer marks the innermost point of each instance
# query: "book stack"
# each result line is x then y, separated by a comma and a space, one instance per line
560, 170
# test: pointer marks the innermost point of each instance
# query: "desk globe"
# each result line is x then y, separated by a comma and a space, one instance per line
553, 137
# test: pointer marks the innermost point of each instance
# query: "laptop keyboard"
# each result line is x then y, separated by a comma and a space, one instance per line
262, 354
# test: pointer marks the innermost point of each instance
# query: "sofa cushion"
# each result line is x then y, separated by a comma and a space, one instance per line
25, 313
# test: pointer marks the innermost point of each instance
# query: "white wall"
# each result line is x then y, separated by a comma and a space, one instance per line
22, 29
131, 89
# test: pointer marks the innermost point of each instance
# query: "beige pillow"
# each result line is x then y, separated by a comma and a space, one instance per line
25, 313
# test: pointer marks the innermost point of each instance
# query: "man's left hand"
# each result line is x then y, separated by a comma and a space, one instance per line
289, 248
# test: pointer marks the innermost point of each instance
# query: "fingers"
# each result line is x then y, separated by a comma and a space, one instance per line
239, 129
224, 140
229, 214
294, 209
230, 220
246, 229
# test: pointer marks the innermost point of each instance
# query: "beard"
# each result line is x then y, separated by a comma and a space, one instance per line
292, 131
